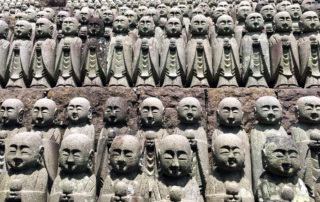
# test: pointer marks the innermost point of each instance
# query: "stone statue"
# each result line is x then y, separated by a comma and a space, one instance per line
4, 49
59, 20
94, 55
309, 50
119, 62
190, 113
228, 179
268, 12
282, 6
75, 181
132, 18
175, 181
199, 54
302, 132
126, 181
26, 179
268, 113
85, 15
79, 116
308, 5
255, 53
226, 62
158, 32
216, 13
68, 55
107, 17
19, 56
173, 55
146, 55
229, 115
115, 117
177, 13
284, 55
279, 181
43, 55
141, 11
295, 12
242, 14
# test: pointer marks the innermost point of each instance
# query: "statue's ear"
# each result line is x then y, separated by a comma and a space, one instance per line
264, 158
5, 33
90, 160
90, 113
51, 30
41, 152
55, 116
20, 116
30, 33
218, 115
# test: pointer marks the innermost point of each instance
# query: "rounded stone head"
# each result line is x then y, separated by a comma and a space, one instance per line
115, 110
196, 11
205, 7
76, 153
61, 16
21, 16
151, 112
42, 14
217, 12
280, 156
95, 27
260, 4
173, 27
11, 112
85, 15
308, 5
282, 6
225, 5
70, 26
230, 112
244, 3
199, 25
44, 28
132, 17
146, 26
268, 12
243, 12
154, 13
295, 11
4, 29
51, 13
225, 25
185, 9
308, 109
122, 10
268, 110
125, 152
120, 24
282, 22
228, 153
142, 11
175, 156
163, 10
189, 110
107, 16
22, 29
254, 22
309, 22
79, 110
44, 112
24, 151
175, 12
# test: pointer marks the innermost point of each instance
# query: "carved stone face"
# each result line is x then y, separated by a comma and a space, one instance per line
163, 10
229, 153
22, 29
123, 10
268, 110
44, 112
132, 17
225, 25
196, 11
152, 12
230, 112
283, 6
142, 11
61, 16
199, 25
42, 14
184, 9
280, 156
24, 151
79, 110
173, 27
44, 28
308, 109
260, 4
243, 12
189, 110
120, 24
51, 13
244, 3
175, 12
308, 5
254, 22
21, 16
294, 11
282, 22
75, 154
85, 14
116, 110
309, 22
205, 7
268, 12
125, 153
225, 5
70, 26
151, 112
95, 27
107, 17
217, 12
11, 112
175, 156
146, 26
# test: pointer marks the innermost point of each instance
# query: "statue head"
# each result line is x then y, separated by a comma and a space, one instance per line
44, 112
295, 11
132, 17
260, 4
44, 28
243, 12
154, 13
125, 152
184, 9
151, 112
205, 7
24, 151
163, 10
268, 110
199, 25
225, 25
21, 16
85, 15
173, 27
229, 112
175, 156
282, 6
24, 7
280, 156
309, 22
79, 110
308, 5
122, 10
189, 110
22, 29
61, 16
115, 110
228, 153
142, 11
95, 27
268, 12
70, 26
11, 112
120, 24
225, 5
4, 29
244, 3
107, 16
51, 13
42, 14
175, 12
196, 11
308, 109
146, 26
76, 153
217, 12
282, 22
254, 22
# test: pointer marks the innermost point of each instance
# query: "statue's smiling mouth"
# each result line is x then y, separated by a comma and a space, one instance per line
314, 116
17, 161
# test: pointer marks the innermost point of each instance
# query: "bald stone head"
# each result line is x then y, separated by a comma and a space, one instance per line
254, 22
243, 12
309, 22
115, 110
199, 25
44, 28
121, 24
189, 110
79, 111
146, 26
308, 109
282, 22
295, 11
230, 112
11, 112
44, 112
268, 12
95, 27
268, 110
70, 26
225, 25
282, 6
151, 112
22, 29
217, 12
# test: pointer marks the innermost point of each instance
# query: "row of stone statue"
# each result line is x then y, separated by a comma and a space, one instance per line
127, 49
153, 165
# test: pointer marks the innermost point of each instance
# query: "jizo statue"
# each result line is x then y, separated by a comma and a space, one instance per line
4, 49
295, 12
133, 21
242, 14
268, 12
